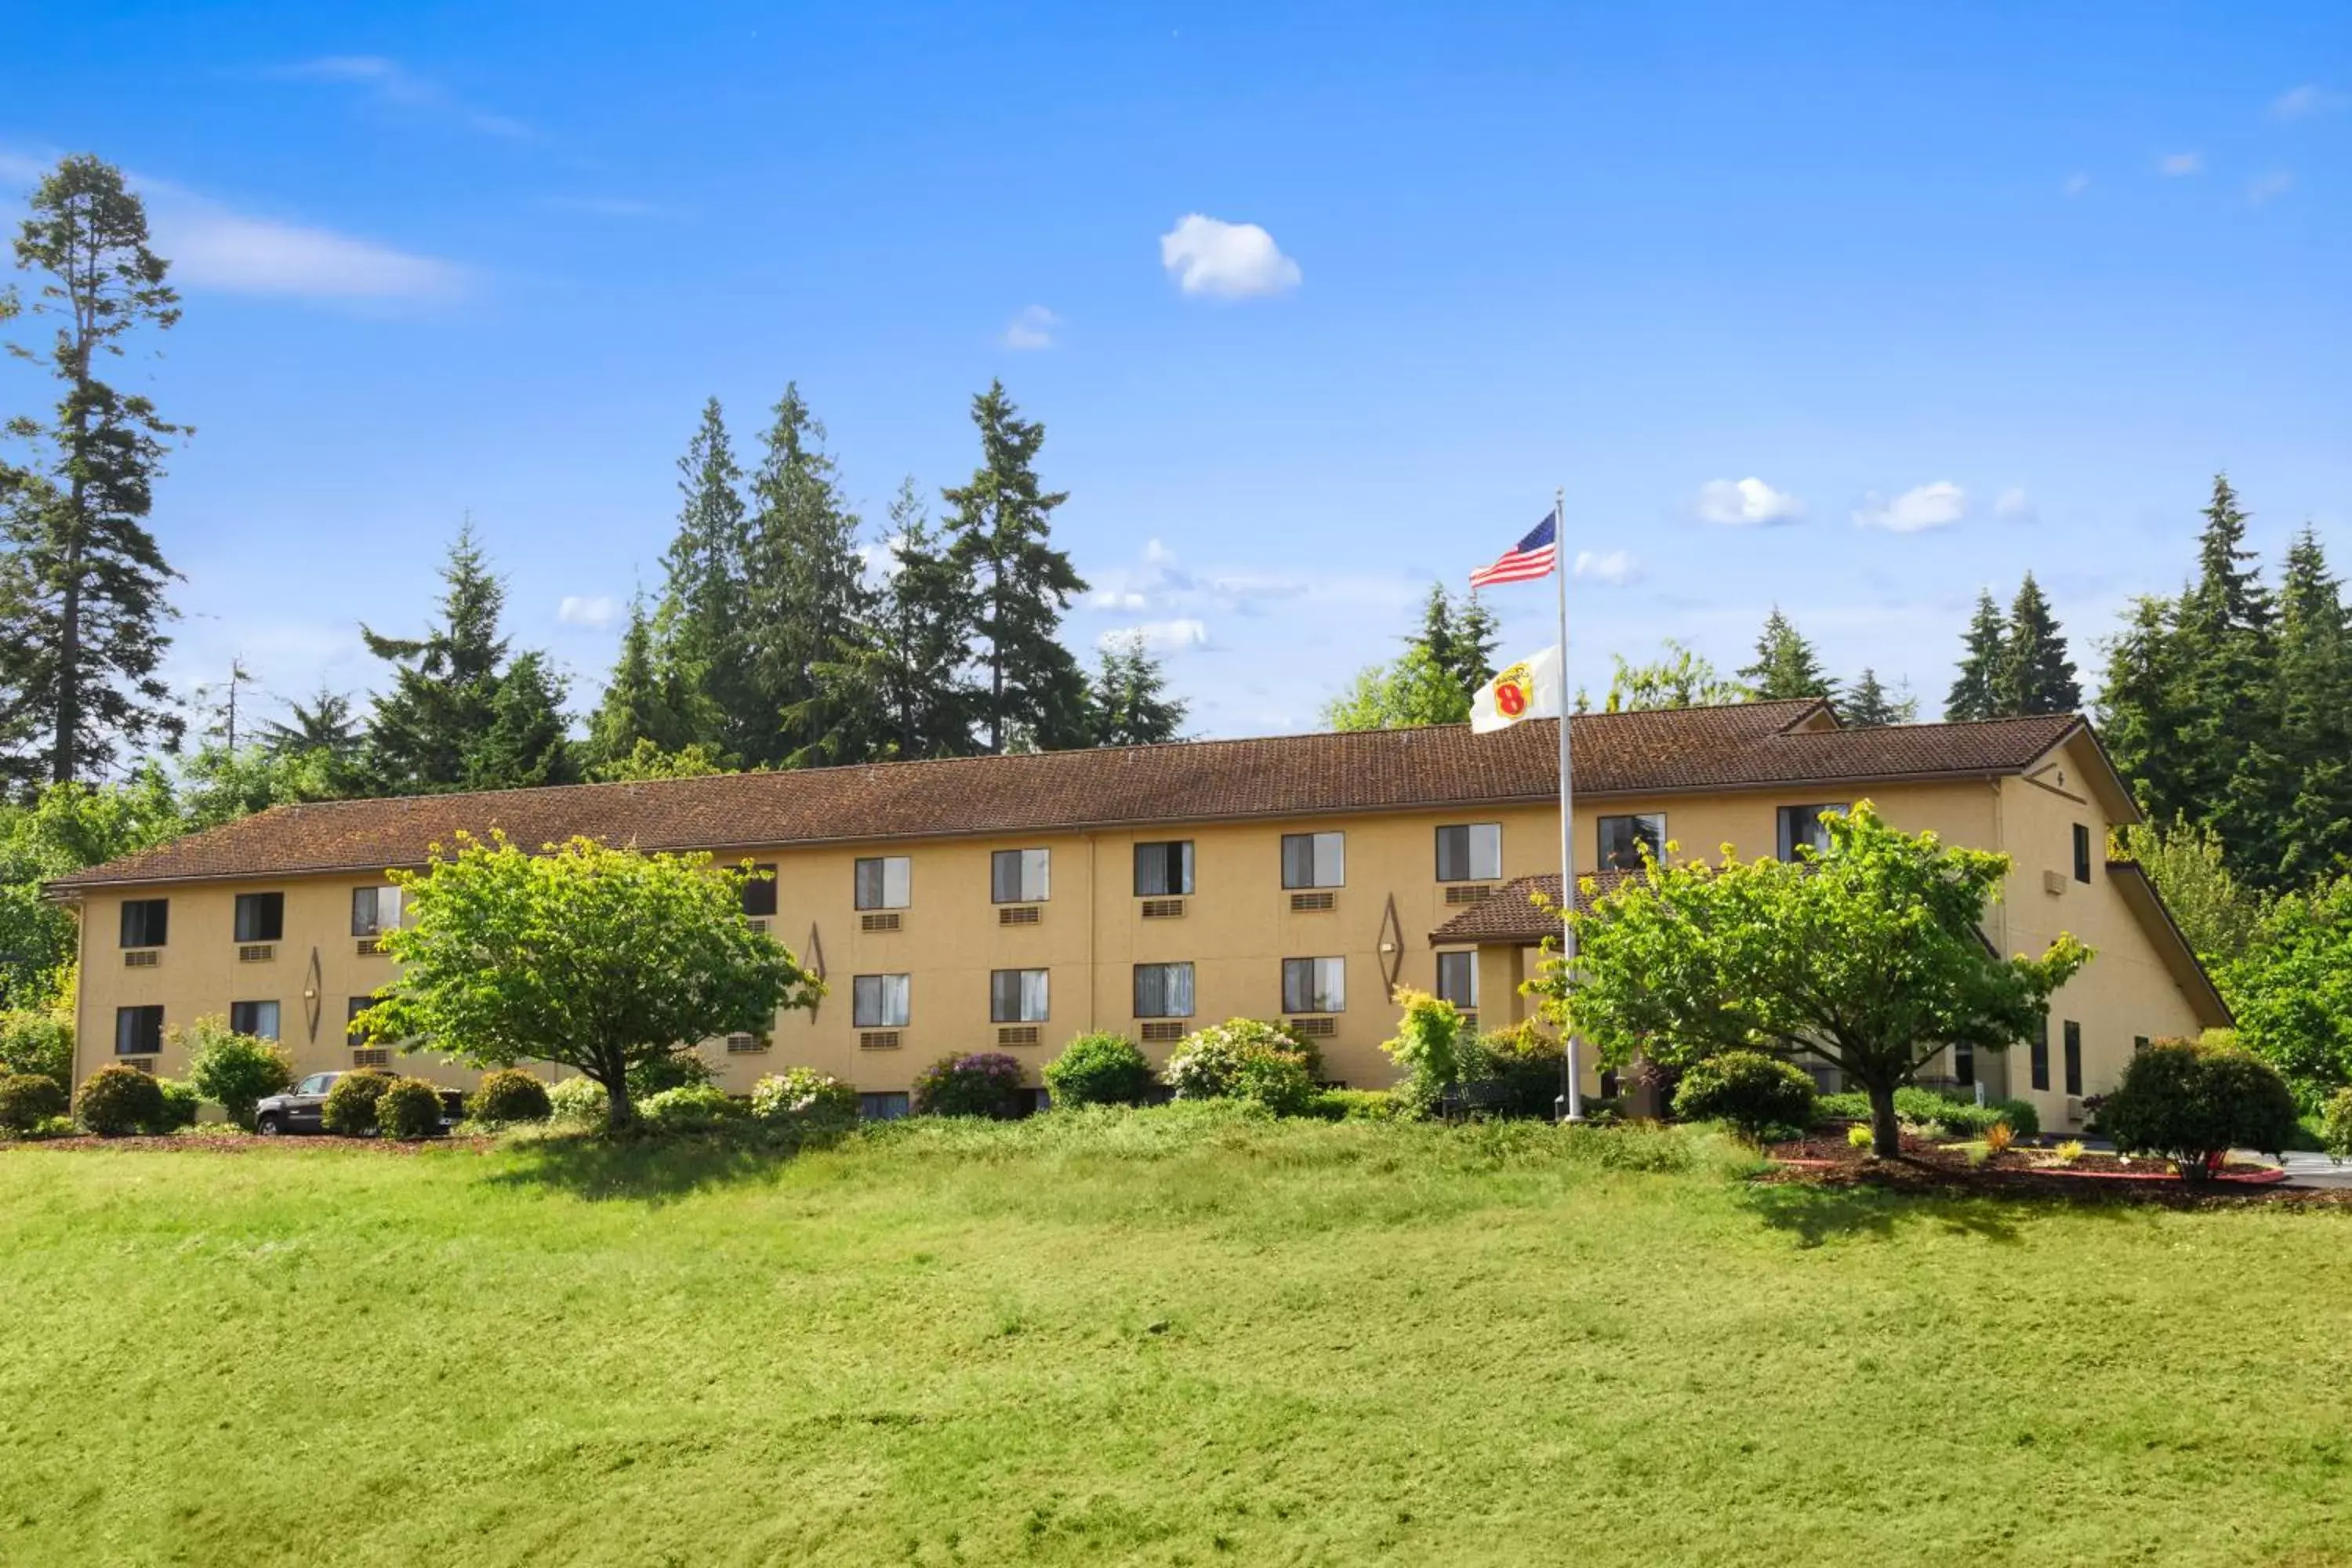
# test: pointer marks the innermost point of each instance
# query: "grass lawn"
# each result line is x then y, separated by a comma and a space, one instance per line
1151, 1340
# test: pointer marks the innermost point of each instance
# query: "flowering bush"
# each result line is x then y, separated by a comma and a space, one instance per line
806, 1100
695, 1108
578, 1102
985, 1083
1209, 1064
1099, 1070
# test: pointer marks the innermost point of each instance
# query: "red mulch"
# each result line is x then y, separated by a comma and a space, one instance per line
2024, 1172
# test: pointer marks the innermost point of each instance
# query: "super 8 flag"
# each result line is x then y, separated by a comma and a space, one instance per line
1531, 689
1530, 558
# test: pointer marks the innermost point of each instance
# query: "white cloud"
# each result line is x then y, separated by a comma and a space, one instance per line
1229, 261
2172, 165
2013, 505
2310, 98
1161, 636
392, 85
595, 611
2077, 184
1034, 328
1615, 566
213, 247
1742, 503
2268, 187
1917, 509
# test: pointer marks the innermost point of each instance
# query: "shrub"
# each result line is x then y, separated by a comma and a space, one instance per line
116, 1100
1428, 1046
52, 1127
37, 1044
408, 1107
807, 1100
1935, 1114
1208, 1064
2336, 1127
2070, 1152
235, 1070
578, 1102
678, 1069
1522, 1068
690, 1108
180, 1105
1858, 1136
1099, 1070
27, 1099
508, 1095
1356, 1105
985, 1083
2191, 1103
1757, 1094
1277, 1080
351, 1107
2000, 1135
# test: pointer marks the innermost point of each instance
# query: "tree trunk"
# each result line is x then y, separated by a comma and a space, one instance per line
1886, 1133
620, 1114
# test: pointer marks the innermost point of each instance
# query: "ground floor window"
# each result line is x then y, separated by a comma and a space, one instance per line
879, 1001
137, 1031
1458, 979
1964, 1064
1314, 985
255, 1019
2042, 1056
882, 1107
2074, 1057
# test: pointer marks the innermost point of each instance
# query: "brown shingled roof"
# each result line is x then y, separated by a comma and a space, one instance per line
1512, 914
1748, 745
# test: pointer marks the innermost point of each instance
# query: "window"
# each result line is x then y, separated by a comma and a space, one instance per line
2042, 1056
1964, 1064
254, 1018
1470, 853
760, 892
1163, 990
2139, 1044
2073, 1056
1623, 840
1021, 876
2081, 853
879, 1001
1017, 996
888, 1107
1314, 985
1458, 979
351, 1011
885, 882
374, 911
137, 1031
1163, 870
1314, 859
260, 917
1801, 826
146, 921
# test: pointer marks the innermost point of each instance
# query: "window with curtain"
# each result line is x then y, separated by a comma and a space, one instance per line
1163, 990
1458, 979
374, 911
1314, 985
1623, 840
1017, 996
146, 921
884, 881
260, 917
1163, 870
258, 1018
879, 1001
1801, 825
760, 892
1470, 852
1021, 876
1314, 859
137, 1031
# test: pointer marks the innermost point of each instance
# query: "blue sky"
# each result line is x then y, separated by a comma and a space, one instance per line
1846, 309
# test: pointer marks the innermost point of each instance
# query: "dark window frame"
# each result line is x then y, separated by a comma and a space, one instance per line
2081, 853
1456, 959
2040, 1056
881, 899
1174, 865
238, 1017
373, 923
1809, 812
879, 1017
997, 1015
146, 922
1630, 858
268, 922
1018, 859
144, 1025
760, 892
1468, 867
1313, 873
1312, 992
1161, 1009
2074, 1049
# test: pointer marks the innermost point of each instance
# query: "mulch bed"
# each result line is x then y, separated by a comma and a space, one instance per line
246, 1145
2024, 1172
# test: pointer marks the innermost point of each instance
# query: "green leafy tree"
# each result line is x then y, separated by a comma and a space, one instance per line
1415, 690
2141, 712
1798, 958
589, 957
66, 827
1459, 639
81, 587
650, 762
217, 786
1869, 705
2035, 675
1786, 663
808, 592
2290, 986
1431, 1048
1974, 693
1001, 528
234, 1072
1129, 704
2218, 913
1678, 678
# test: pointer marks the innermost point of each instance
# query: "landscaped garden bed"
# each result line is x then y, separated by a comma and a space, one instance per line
1928, 1164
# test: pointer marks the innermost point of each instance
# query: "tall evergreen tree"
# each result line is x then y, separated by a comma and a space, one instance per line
82, 637
1786, 663
1973, 693
639, 704
1001, 528
2141, 710
2230, 765
701, 628
2314, 703
1869, 705
807, 588
1130, 705
2035, 675
527, 743
1458, 639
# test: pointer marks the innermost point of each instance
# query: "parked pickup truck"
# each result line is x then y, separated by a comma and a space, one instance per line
302, 1108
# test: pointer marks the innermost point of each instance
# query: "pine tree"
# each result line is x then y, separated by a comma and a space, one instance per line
700, 627
1870, 707
1786, 665
2141, 710
2315, 700
528, 742
1458, 640
1000, 529
83, 612
326, 728
807, 582
2231, 772
1972, 694
637, 705
1130, 705
2035, 675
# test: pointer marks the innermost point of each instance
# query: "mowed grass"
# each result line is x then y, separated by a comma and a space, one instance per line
1154, 1339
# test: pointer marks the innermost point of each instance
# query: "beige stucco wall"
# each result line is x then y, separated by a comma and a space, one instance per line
1236, 929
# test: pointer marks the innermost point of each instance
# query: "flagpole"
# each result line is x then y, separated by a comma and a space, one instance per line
1572, 1102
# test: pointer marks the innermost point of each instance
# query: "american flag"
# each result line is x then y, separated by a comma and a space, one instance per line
1530, 558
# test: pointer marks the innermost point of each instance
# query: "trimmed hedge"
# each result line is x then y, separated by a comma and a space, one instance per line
117, 1100
182, 1105
1100, 1069
690, 1108
27, 1099
351, 1107
409, 1107
508, 1095
1945, 1115
1757, 1094
2193, 1103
